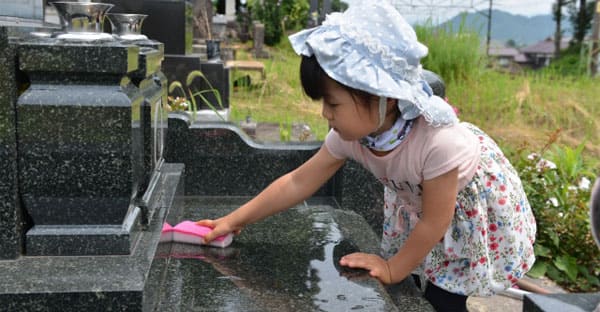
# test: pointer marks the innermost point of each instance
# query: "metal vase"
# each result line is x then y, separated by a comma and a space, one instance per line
127, 26
82, 20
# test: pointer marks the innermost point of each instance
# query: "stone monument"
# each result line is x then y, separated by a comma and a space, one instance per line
82, 206
10, 210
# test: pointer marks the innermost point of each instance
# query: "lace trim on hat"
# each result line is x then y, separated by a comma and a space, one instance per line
390, 61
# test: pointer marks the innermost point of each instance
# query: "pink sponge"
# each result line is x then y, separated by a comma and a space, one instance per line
192, 233
166, 235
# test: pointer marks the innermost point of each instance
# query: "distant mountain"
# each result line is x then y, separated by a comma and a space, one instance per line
505, 26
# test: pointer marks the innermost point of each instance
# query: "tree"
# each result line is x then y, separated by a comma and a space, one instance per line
557, 16
581, 18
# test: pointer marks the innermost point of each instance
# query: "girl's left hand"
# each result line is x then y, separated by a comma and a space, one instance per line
377, 266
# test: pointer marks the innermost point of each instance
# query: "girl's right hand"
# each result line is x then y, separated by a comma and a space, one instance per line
219, 227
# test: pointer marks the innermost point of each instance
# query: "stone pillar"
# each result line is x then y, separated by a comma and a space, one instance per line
29, 9
152, 83
10, 214
170, 22
230, 9
313, 14
258, 34
80, 147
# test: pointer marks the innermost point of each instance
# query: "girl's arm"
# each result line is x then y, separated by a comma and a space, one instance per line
285, 192
439, 200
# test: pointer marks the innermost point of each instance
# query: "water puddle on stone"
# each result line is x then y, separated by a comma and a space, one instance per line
283, 263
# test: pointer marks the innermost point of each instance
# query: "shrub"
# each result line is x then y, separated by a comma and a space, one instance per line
269, 12
558, 188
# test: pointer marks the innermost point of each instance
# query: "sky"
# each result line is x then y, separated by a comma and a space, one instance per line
440, 10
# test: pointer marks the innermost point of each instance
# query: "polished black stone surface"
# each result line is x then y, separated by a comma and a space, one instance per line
10, 213
168, 21
80, 146
283, 263
95, 283
575, 302
152, 84
224, 161
60, 56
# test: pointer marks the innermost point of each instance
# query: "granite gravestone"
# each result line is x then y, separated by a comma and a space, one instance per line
224, 168
88, 245
10, 214
80, 143
29, 9
152, 83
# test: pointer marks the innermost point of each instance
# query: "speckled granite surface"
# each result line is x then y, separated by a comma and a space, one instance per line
283, 263
562, 302
80, 146
10, 214
223, 160
94, 283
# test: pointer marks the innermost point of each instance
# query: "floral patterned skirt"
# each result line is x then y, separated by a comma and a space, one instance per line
489, 244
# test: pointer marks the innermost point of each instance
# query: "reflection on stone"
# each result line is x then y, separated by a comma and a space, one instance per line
283, 263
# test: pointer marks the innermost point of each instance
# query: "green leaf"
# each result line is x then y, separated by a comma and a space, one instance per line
538, 270
541, 250
568, 265
555, 239
554, 274
176, 85
593, 280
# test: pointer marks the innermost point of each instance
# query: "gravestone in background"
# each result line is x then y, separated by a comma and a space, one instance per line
171, 22
30, 9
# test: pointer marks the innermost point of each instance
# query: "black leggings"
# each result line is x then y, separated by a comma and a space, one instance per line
443, 300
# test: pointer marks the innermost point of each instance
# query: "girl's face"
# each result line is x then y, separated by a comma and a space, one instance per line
350, 119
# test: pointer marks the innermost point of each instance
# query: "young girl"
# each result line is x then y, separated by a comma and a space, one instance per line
455, 212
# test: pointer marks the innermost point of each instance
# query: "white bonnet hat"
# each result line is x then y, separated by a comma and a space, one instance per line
372, 48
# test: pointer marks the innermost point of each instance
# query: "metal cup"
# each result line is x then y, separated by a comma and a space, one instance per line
127, 26
82, 18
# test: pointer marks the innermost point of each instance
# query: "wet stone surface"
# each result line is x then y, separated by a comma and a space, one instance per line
283, 263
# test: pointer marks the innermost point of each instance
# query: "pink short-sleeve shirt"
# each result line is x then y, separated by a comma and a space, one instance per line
426, 153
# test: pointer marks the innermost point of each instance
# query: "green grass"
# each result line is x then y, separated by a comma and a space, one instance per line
516, 109
279, 98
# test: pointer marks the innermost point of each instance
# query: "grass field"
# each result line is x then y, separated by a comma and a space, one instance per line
518, 110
